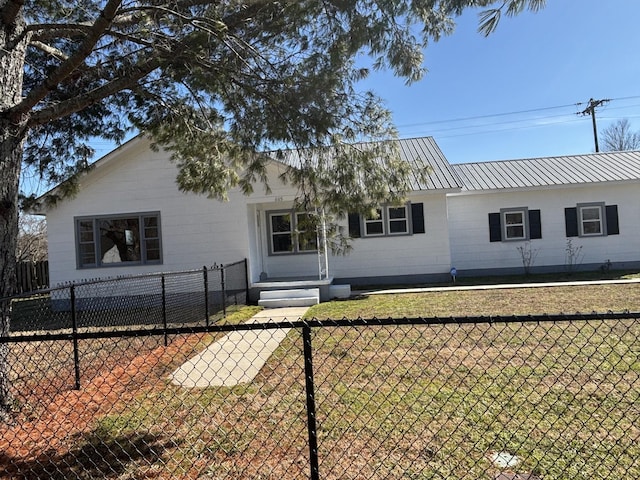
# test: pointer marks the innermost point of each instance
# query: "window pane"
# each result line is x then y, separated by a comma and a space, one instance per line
591, 213
378, 216
153, 249
150, 233
374, 228
514, 218
307, 242
282, 242
151, 221
397, 226
86, 231
306, 232
399, 212
591, 228
119, 240
281, 223
515, 231
87, 254
151, 227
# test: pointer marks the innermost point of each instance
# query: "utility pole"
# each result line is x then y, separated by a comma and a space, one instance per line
591, 110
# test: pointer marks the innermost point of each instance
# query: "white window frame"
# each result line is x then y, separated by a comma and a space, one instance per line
272, 234
293, 232
375, 221
600, 221
82, 235
385, 221
524, 212
398, 220
298, 233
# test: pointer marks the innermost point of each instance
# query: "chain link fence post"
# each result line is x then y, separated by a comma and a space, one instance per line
224, 292
74, 333
246, 281
311, 403
205, 277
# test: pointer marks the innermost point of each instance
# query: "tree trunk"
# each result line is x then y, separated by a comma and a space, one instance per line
10, 158
12, 134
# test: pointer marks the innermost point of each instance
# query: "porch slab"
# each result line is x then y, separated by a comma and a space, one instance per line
292, 284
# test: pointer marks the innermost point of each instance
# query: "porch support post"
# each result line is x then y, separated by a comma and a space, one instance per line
321, 241
324, 245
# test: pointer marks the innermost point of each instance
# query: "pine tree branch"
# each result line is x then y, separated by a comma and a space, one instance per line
82, 101
54, 52
65, 69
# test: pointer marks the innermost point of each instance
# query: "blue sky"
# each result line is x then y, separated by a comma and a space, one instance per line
540, 64
545, 65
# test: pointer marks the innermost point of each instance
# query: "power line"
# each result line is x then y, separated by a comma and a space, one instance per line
503, 114
491, 115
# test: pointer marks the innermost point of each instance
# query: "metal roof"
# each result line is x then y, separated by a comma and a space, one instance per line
550, 171
420, 153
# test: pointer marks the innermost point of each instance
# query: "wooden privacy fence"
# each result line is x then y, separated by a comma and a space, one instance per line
32, 276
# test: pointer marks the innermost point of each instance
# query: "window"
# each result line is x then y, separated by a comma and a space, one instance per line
374, 225
291, 232
126, 239
514, 224
405, 220
398, 220
388, 221
591, 220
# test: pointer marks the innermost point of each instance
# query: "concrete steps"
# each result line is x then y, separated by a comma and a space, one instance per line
298, 297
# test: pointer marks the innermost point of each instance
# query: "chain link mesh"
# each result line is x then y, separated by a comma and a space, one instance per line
424, 398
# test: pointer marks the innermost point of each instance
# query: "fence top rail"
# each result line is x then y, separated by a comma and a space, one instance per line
315, 323
44, 291
32, 293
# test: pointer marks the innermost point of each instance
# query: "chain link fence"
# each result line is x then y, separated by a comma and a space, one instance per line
188, 297
548, 397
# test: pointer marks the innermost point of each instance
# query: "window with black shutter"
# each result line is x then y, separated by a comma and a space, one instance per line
591, 220
389, 221
515, 224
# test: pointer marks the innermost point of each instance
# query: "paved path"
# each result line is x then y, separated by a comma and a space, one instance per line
238, 356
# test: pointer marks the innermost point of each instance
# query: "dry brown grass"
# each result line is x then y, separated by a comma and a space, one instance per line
392, 402
506, 302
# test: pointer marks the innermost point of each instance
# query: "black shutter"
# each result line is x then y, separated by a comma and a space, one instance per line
535, 225
571, 221
417, 217
354, 225
613, 228
495, 229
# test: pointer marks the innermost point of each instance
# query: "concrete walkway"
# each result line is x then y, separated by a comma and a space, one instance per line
502, 286
238, 356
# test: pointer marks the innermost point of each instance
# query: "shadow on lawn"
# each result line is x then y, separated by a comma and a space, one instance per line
94, 458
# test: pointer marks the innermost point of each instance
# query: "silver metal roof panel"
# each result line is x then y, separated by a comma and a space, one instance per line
550, 171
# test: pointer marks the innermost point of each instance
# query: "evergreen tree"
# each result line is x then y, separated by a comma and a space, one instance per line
214, 82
